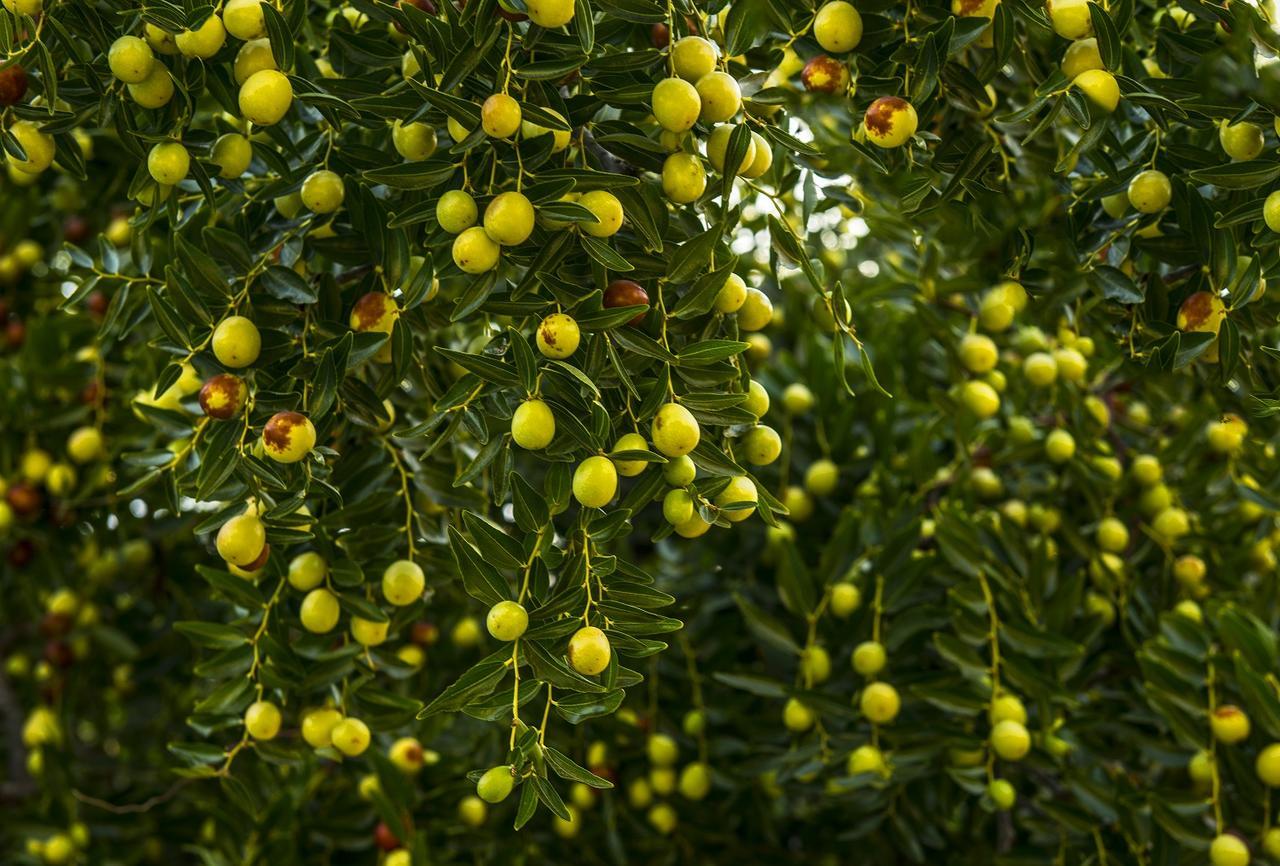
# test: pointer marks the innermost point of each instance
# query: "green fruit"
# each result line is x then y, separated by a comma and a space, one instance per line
821, 477
838, 27
880, 703
496, 784
796, 716
679, 471
589, 651
739, 491
262, 720
693, 57
403, 582
533, 425
676, 104
508, 220
130, 59
845, 599
1150, 191
507, 620
720, 97
757, 401
320, 611
350, 737
683, 178
414, 141
456, 211
244, 19
203, 42
695, 781
232, 153
675, 431
1010, 740
761, 445
595, 482
1228, 850
558, 336
869, 656
474, 252
1002, 794
236, 342
265, 97
630, 442
322, 192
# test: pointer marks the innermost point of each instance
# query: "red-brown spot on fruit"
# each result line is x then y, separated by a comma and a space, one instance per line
548, 334
626, 293
222, 396
879, 117
660, 36
1195, 311
260, 561
825, 74
279, 429
370, 309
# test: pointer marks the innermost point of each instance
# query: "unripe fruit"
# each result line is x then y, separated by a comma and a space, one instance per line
695, 781
322, 191
629, 442
472, 811
756, 311
1229, 723
589, 651
730, 299
1002, 794
265, 97
845, 599
675, 431
825, 74
880, 703
533, 426
232, 153
508, 220
1059, 446
288, 437
1007, 707
367, 632
720, 96
679, 471
740, 489
262, 720
130, 59
796, 716
757, 401
244, 19
761, 445
320, 611
318, 725
236, 342
496, 784
1228, 850
693, 57
1189, 570
1100, 87
241, 539
1071, 365
203, 42
663, 818
821, 477
413, 141
762, 158
1171, 524
676, 104
678, 507
1241, 140
1227, 435
978, 353
838, 27
1271, 211
890, 121
1200, 767
254, 56
1146, 470
223, 396
662, 750
683, 178
456, 211
500, 116
403, 582
980, 399
695, 527
474, 252
1041, 369
550, 13
607, 210
1150, 191
558, 336
350, 737
466, 633
1070, 18
718, 146
154, 91
869, 656
37, 144
1010, 740
307, 571
1081, 56
595, 482
1113, 535
867, 759
507, 620
560, 138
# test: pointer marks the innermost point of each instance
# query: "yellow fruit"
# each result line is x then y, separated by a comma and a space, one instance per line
1081, 56
740, 489
1041, 369
232, 153
550, 13
695, 781
676, 104
845, 598
307, 571
265, 97
694, 527
322, 191
978, 353
821, 477
1229, 723
508, 220
288, 437
320, 611
678, 507
560, 138
762, 159
1228, 850
244, 19
1002, 794
408, 755
718, 145
456, 211
1010, 740
761, 445
130, 59
1150, 191
37, 144
350, 737
869, 656
474, 252
1113, 535
684, 179
693, 57
533, 426
168, 162
1100, 87
1241, 140
160, 41
241, 539
589, 651
403, 582
880, 703
797, 717
507, 620
756, 311
630, 442
85, 444
155, 90
236, 342
500, 116
1271, 211
663, 818
1070, 18
413, 141
890, 121
1226, 436
838, 27
496, 784
675, 431
607, 210
595, 482
367, 632
720, 97
60, 850
558, 336
1059, 446
980, 399
867, 759
203, 42
471, 810
262, 720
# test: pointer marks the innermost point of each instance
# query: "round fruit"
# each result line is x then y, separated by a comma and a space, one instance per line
629, 442
674, 431
868, 656
738, 491
1201, 312
678, 507
1150, 191
318, 725
695, 781
762, 159
980, 399
262, 720
350, 737
756, 311
533, 426
241, 539
37, 144
244, 19
607, 210
307, 571
223, 396
155, 90
403, 582
254, 56
1228, 850
1002, 794
825, 74
589, 651
1010, 740
1081, 56
718, 146
1041, 369
838, 27
684, 180
1070, 18
679, 472
1230, 725
500, 116
880, 703
978, 353
236, 342
761, 445
693, 57
288, 437
265, 97
797, 717
1100, 87
322, 192
558, 336
203, 42
626, 293
472, 811
456, 211
474, 252
1241, 140
890, 121
720, 97
866, 759
507, 620
1270, 210
845, 599
367, 632
821, 477
496, 784
1059, 446
595, 482
320, 611
676, 104
508, 220
550, 13
232, 153
413, 141
13, 84
130, 59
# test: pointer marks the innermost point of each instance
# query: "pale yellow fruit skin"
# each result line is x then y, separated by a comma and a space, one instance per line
262, 720
130, 59
533, 425
244, 19
318, 725
288, 437
367, 632
154, 91
718, 146
168, 162
761, 445
509, 218
761, 160
674, 431
756, 311
693, 57
630, 442
474, 252
550, 13
254, 56
507, 620
413, 141
1081, 56
203, 42
1228, 850
1070, 18
607, 210
500, 116
1100, 87
320, 611
676, 104
589, 651
403, 582
307, 571
595, 482
241, 539
1271, 211
456, 211
720, 96
350, 737
740, 489
1150, 191
890, 122
232, 153
558, 336
322, 192
265, 97
838, 27
880, 703
730, 298
37, 144
684, 180
1010, 740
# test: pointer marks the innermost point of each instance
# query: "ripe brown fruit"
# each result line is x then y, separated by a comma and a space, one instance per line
660, 36
74, 228
384, 838
825, 74
626, 293
13, 85
15, 333
24, 498
97, 302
